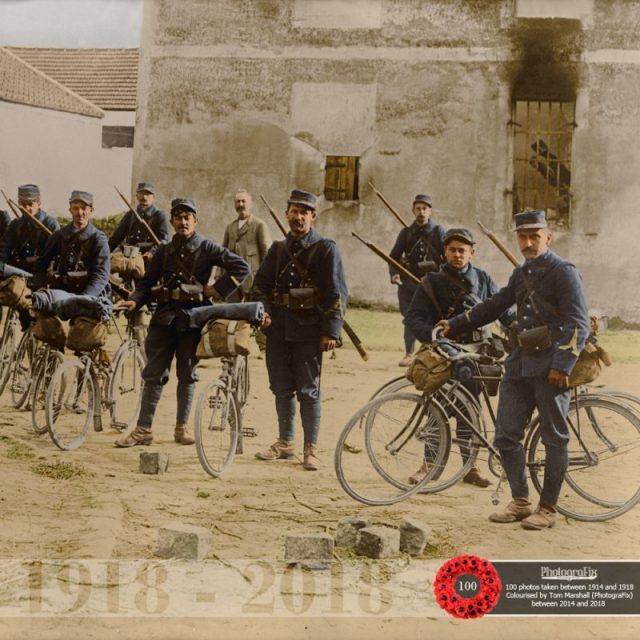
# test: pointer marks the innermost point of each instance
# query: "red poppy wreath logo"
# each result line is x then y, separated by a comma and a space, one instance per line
467, 587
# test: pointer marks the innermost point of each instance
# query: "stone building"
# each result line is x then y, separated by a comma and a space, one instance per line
488, 105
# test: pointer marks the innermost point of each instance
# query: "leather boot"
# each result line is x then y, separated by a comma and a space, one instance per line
279, 450
311, 462
140, 435
181, 435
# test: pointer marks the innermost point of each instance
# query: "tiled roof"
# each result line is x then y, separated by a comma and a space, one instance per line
24, 84
106, 77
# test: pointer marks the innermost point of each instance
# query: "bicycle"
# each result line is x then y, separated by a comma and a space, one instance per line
81, 387
218, 428
23, 364
395, 427
7, 346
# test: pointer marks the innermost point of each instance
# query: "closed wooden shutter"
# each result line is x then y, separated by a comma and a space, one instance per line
341, 178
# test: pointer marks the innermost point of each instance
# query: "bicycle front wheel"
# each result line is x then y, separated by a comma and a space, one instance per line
603, 477
22, 369
7, 349
45, 365
384, 442
70, 404
125, 387
216, 428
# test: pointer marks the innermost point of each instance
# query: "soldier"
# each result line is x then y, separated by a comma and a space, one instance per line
301, 284
132, 232
247, 236
182, 267
79, 282
5, 221
552, 327
418, 248
455, 288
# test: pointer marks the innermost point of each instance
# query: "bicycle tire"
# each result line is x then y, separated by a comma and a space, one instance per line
603, 478
7, 349
241, 393
216, 428
358, 475
70, 403
44, 368
124, 392
21, 378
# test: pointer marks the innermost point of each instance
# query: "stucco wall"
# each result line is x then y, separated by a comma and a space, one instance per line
245, 94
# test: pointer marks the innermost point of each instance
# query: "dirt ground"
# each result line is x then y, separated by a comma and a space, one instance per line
110, 512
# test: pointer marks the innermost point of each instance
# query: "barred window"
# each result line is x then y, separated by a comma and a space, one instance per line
543, 135
341, 178
117, 137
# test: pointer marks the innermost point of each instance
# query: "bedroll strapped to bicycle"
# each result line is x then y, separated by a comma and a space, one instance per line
86, 334
14, 292
429, 369
50, 330
222, 337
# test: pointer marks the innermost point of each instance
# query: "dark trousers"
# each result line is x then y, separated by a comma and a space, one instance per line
294, 372
405, 296
162, 343
518, 399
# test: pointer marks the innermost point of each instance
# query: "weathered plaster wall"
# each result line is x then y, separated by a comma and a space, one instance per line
245, 93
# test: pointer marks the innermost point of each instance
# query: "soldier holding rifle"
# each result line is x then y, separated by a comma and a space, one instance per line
552, 327
419, 248
301, 284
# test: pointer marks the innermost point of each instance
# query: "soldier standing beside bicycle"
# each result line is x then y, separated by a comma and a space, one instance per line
301, 284
176, 279
552, 326
418, 248
454, 289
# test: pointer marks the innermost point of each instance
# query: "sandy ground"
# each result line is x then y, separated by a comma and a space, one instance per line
112, 513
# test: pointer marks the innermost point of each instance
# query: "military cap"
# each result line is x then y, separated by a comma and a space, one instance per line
530, 220
146, 186
29, 192
306, 199
82, 196
424, 198
183, 203
459, 234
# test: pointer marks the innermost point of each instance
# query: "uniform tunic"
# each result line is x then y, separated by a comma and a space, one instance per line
132, 232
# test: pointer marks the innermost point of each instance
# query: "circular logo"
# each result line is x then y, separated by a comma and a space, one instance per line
467, 587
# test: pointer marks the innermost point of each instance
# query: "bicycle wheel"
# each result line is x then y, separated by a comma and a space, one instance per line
21, 378
44, 368
7, 349
70, 404
241, 393
384, 442
216, 428
124, 393
393, 385
603, 477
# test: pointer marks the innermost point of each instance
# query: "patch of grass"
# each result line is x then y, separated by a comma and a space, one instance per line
59, 470
378, 330
202, 494
623, 346
19, 451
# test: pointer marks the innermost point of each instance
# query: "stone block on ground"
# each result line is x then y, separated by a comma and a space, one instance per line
413, 536
309, 550
378, 542
183, 541
347, 531
153, 462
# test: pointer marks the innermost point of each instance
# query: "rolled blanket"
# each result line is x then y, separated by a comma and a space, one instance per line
70, 305
197, 317
7, 270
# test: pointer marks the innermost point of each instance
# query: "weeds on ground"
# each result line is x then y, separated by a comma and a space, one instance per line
59, 470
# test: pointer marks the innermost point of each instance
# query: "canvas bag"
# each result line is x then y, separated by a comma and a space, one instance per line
221, 337
86, 334
429, 369
14, 292
50, 330
127, 266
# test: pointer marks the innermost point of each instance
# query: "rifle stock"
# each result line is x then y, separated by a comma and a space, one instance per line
388, 259
348, 329
388, 205
141, 220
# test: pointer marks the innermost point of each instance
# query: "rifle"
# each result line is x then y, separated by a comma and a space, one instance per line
394, 263
388, 205
15, 213
141, 220
505, 251
348, 329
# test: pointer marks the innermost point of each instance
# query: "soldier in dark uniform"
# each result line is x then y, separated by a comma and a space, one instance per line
182, 268
23, 240
5, 221
79, 281
455, 288
132, 232
418, 248
301, 284
550, 299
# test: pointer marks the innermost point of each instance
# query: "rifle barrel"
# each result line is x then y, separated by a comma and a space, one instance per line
388, 259
388, 205
140, 219
500, 245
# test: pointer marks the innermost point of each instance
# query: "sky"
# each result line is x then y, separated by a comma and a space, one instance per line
70, 23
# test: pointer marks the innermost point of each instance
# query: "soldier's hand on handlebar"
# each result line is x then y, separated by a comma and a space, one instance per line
445, 328
558, 378
127, 305
327, 343
266, 321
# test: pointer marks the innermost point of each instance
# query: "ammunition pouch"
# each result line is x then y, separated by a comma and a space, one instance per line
298, 299
73, 281
182, 293
535, 340
425, 266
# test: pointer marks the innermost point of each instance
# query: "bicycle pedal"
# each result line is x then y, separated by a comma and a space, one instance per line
249, 432
119, 426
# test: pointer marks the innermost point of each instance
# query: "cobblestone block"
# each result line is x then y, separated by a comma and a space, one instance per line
153, 462
378, 542
183, 541
413, 536
309, 550
347, 531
